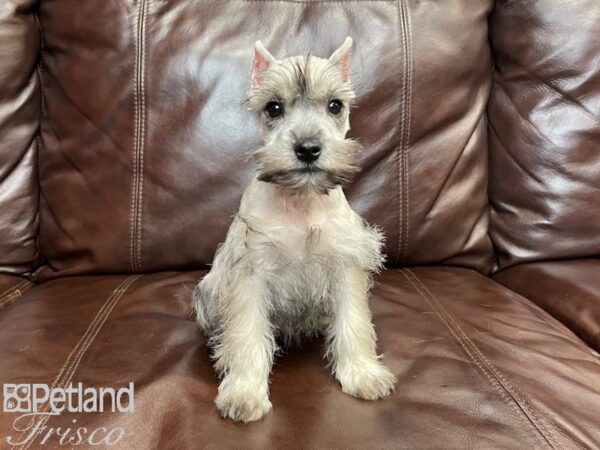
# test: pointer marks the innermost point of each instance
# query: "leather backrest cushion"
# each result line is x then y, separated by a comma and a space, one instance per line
544, 120
20, 103
145, 136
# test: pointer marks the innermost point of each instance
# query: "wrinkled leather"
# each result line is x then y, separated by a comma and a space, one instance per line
568, 290
477, 365
544, 124
142, 168
20, 103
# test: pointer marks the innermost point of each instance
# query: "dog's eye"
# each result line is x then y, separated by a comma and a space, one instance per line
335, 106
274, 109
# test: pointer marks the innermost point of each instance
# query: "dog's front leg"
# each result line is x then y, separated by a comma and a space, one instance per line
351, 341
244, 353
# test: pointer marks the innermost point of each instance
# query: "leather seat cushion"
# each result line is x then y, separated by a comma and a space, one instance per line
478, 366
568, 290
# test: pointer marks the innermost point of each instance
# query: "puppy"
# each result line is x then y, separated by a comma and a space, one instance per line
297, 260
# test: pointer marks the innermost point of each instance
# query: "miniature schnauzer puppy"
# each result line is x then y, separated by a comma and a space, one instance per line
297, 260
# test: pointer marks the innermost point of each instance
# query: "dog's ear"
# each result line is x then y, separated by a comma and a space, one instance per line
262, 60
341, 58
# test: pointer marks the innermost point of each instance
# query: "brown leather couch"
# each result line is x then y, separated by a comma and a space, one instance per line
122, 143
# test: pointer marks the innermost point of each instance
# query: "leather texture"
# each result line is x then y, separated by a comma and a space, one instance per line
20, 103
142, 160
12, 288
472, 360
568, 290
544, 125
142, 170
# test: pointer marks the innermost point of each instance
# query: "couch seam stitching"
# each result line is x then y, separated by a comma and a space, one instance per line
538, 415
143, 133
8, 290
399, 148
484, 366
545, 317
74, 358
135, 215
14, 292
527, 407
409, 88
404, 124
133, 199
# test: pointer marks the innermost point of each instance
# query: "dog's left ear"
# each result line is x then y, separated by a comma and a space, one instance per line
341, 58
262, 60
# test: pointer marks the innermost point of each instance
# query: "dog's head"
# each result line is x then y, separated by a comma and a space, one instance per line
303, 104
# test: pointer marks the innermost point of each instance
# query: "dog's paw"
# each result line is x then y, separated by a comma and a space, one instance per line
242, 404
367, 380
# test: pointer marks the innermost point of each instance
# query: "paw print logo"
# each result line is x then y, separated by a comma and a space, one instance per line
17, 398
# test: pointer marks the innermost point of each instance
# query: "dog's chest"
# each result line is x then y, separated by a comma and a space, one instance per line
298, 234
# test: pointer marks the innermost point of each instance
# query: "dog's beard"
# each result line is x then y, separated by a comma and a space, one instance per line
316, 176
320, 180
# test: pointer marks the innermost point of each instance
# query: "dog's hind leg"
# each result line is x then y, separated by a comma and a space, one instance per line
205, 304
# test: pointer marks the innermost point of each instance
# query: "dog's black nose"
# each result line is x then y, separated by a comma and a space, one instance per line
307, 150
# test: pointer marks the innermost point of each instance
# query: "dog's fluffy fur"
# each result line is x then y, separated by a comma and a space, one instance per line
297, 260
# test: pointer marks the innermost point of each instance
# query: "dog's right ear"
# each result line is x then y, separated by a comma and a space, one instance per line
341, 59
262, 60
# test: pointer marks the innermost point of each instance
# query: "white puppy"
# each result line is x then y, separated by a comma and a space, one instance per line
297, 259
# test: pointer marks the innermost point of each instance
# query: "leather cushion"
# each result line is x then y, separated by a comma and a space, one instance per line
478, 366
568, 290
20, 102
544, 124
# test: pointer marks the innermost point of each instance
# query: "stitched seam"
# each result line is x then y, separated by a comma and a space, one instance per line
65, 375
408, 112
135, 215
514, 392
14, 292
142, 132
399, 147
133, 200
457, 333
10, 298
495, 377
494, 383
8, 291
404, 125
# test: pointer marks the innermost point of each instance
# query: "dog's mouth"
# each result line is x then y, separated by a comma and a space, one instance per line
309, 168
320, 175
308, 176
